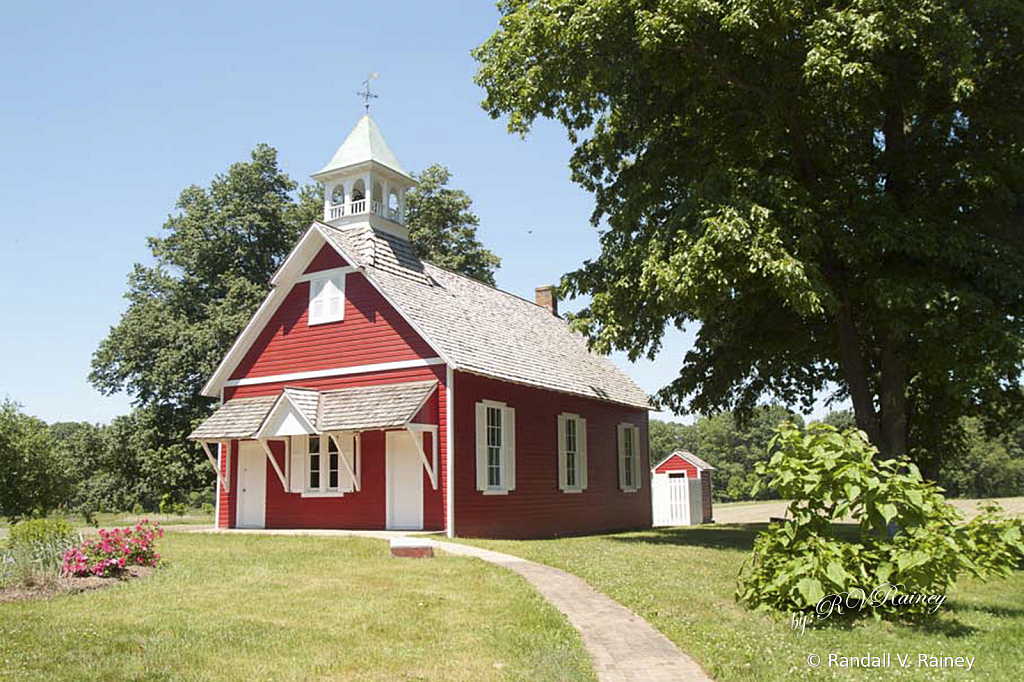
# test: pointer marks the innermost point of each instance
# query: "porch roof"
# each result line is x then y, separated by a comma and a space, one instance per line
361, 408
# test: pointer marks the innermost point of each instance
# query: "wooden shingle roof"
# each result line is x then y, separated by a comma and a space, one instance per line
480, 328
361, 408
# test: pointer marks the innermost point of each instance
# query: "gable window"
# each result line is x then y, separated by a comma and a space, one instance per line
326, 299
495, 448
629, 458
572, 453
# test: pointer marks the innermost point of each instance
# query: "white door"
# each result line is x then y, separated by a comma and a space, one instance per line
404, 483
672, 496
252, 485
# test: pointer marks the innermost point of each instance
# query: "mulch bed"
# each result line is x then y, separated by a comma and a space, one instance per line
63, 586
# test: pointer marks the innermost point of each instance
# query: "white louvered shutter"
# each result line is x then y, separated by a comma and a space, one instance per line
562, 474
297, 473
509, 428
346, 451
334, 298
621, 438
637, 480
581, 445
481, 446
316, 301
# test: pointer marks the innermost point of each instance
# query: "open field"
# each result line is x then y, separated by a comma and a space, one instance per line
760, 512
295, 608
120, 519
682, 580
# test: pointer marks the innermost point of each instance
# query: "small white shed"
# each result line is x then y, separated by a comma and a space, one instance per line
681, 490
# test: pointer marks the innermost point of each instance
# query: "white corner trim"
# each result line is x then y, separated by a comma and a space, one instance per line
336, 371
216, 499
449, 395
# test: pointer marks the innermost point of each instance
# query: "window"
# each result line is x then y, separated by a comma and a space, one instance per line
314, 463
629, 458
495, 448
327, 299
572, 453
326, 471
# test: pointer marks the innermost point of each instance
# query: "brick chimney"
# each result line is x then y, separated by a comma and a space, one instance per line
546, 298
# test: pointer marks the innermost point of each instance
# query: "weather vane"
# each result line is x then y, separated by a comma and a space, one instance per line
366, 94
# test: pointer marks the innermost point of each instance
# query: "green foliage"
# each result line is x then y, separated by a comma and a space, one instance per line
907, 534
988, 465
36, 550
442, 226
32, 481
40, 531
169, 506
832, 191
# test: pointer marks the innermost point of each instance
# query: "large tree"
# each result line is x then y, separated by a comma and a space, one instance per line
834, 191
442, 226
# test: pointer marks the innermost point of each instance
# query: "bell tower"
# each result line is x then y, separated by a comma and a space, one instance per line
364, 183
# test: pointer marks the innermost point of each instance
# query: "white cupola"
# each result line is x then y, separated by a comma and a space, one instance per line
364, 183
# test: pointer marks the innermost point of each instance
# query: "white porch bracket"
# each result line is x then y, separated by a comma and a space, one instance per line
213, 463
355, 455
273, 460
415, 430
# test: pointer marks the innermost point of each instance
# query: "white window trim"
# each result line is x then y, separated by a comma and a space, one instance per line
338, 280
632, 432
508, 448
324, 490
581, 453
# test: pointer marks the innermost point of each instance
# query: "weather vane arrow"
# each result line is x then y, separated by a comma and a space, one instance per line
366, 93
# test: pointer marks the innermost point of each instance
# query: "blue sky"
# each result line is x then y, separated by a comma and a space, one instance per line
109, 112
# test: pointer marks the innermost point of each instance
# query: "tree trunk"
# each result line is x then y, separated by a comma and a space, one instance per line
893, 436
851, 361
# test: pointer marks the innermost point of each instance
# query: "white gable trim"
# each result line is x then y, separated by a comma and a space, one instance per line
682, 454
298, 259
336, 372
284, 402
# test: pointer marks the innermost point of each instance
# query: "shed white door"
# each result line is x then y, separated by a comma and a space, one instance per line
404, 483
252, 485
676, 500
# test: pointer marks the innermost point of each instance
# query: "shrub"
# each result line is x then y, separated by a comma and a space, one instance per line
208, 509
41, 531
168, 506
35, 550
907, 534
114, 551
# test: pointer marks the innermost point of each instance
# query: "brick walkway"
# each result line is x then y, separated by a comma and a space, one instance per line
622, 646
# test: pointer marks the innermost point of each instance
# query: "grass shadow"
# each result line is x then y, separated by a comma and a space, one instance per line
737, 536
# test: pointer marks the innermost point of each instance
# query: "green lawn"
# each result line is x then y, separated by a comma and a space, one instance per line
295, 608
682, 581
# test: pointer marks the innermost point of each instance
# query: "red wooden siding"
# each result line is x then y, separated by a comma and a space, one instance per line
326, 259
226, 500
705, 488
537, 507
677, 463
371, 333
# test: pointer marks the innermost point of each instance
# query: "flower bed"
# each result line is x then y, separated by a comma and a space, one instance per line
114, 551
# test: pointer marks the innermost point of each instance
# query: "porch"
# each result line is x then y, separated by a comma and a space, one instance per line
353, 458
